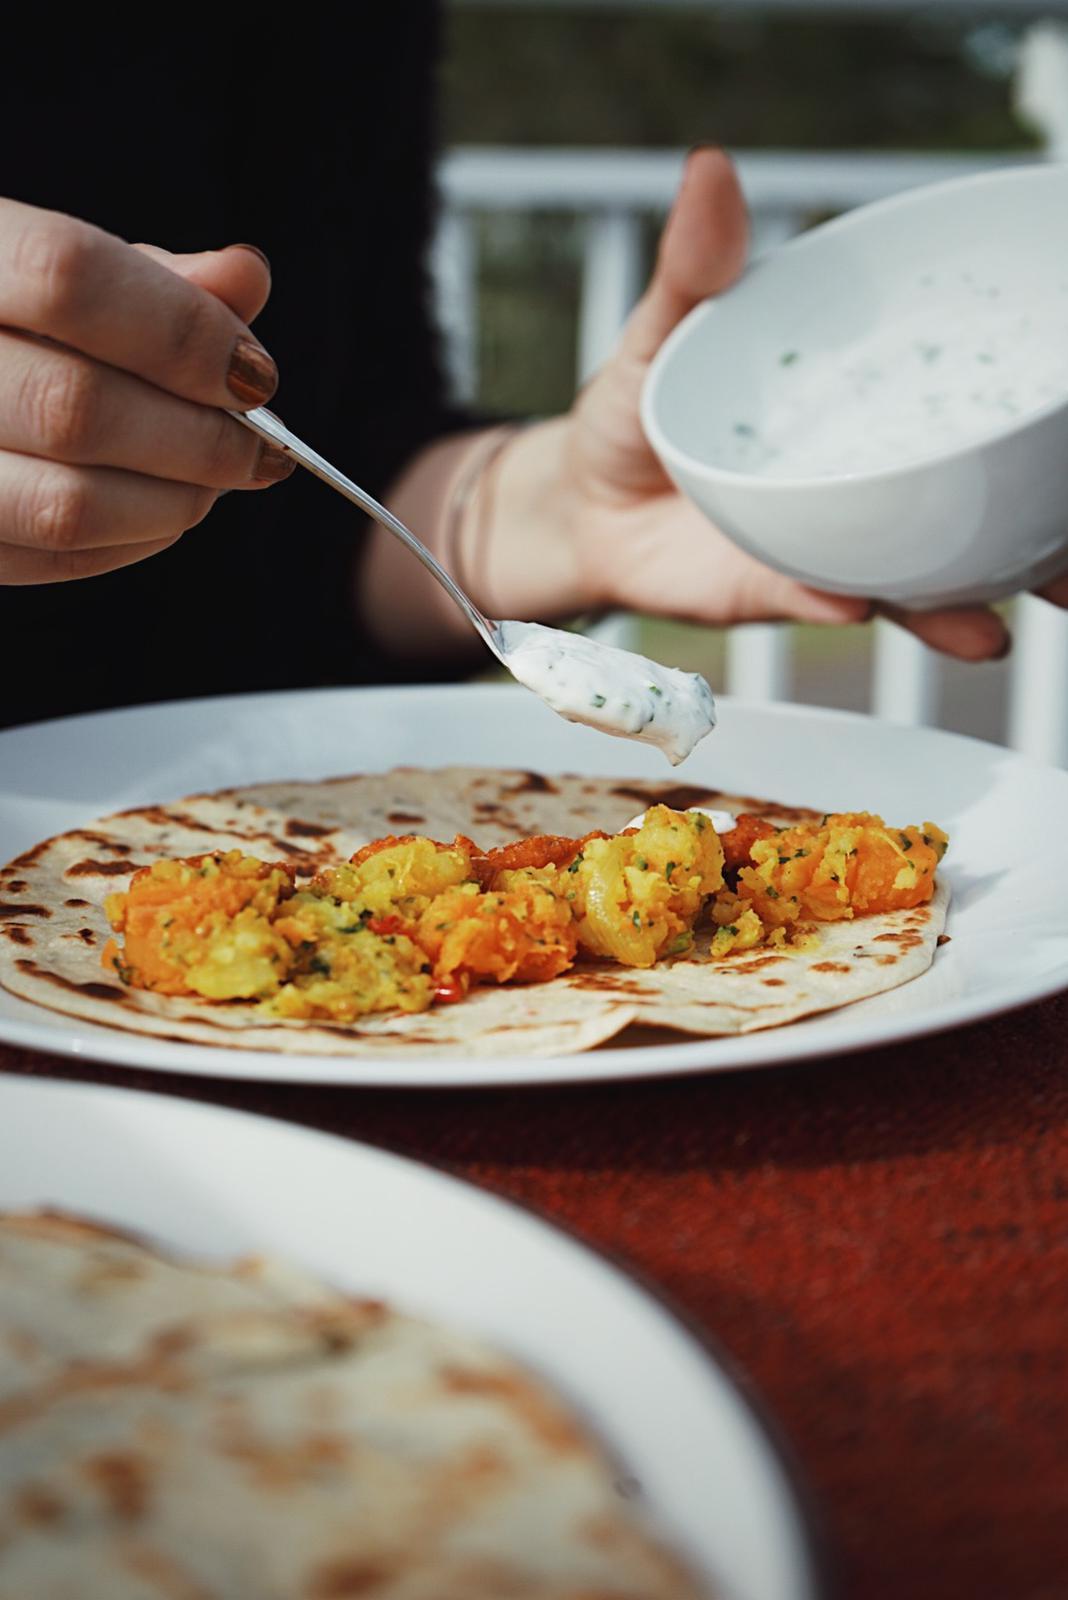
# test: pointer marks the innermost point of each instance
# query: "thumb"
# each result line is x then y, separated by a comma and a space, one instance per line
702, 251
238, 275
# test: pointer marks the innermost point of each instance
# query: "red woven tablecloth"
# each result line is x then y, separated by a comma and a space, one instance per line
881, 1241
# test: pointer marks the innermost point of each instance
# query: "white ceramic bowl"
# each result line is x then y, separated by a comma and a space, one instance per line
907, 366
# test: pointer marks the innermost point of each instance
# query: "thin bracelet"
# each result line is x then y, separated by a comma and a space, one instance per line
462, 497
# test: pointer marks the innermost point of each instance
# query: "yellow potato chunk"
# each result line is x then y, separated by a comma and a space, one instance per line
400, 875
347, 961
636, 896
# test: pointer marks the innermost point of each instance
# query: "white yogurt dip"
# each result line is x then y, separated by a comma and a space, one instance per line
964, 358
722, 821
613, 690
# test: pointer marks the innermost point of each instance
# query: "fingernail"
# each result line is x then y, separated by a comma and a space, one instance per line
253, 376
274, 464
255, 250
1003, 649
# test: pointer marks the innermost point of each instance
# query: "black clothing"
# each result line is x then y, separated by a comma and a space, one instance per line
194, 138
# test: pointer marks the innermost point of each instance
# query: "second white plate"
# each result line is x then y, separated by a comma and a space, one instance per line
216, 1184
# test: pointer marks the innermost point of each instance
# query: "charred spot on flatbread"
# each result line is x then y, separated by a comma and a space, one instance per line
101, 869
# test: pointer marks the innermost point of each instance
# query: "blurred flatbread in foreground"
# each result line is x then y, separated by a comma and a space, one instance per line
222, 1433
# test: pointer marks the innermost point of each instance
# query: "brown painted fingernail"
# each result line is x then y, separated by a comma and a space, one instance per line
1003, 649
274, 464
255, 250
253, 376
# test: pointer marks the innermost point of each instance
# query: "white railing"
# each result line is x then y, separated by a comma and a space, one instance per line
612, 191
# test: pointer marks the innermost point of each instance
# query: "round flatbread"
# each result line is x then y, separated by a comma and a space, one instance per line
53, 928
199, 1432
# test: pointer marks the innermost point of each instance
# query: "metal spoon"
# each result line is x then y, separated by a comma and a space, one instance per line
581, 679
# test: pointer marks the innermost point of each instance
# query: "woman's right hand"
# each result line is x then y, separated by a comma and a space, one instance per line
116, 364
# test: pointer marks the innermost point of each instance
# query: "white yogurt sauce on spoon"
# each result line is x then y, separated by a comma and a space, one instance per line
613, 690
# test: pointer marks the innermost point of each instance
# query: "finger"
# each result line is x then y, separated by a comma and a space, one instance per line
1056, 592
239, 275
702, 251
971, 633
75, 284
21, 565
46, 506
59, 405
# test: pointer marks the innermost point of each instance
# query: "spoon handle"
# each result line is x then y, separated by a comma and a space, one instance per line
267, 426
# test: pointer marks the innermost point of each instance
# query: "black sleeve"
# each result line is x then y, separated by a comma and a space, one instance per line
318, 148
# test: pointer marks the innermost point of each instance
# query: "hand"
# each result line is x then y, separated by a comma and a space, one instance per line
636, 542
115, 364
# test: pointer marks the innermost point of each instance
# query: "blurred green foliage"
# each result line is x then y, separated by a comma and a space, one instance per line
530, 74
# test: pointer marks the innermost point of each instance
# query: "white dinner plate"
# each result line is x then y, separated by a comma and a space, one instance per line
215, 1184
1007, 864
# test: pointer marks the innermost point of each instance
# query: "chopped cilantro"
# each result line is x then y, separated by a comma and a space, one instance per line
636, 918
597, 701
576, 863
669, 869
654, 690
799, 853
788, 358
641, 864
772, 892
906, 842
730, 928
